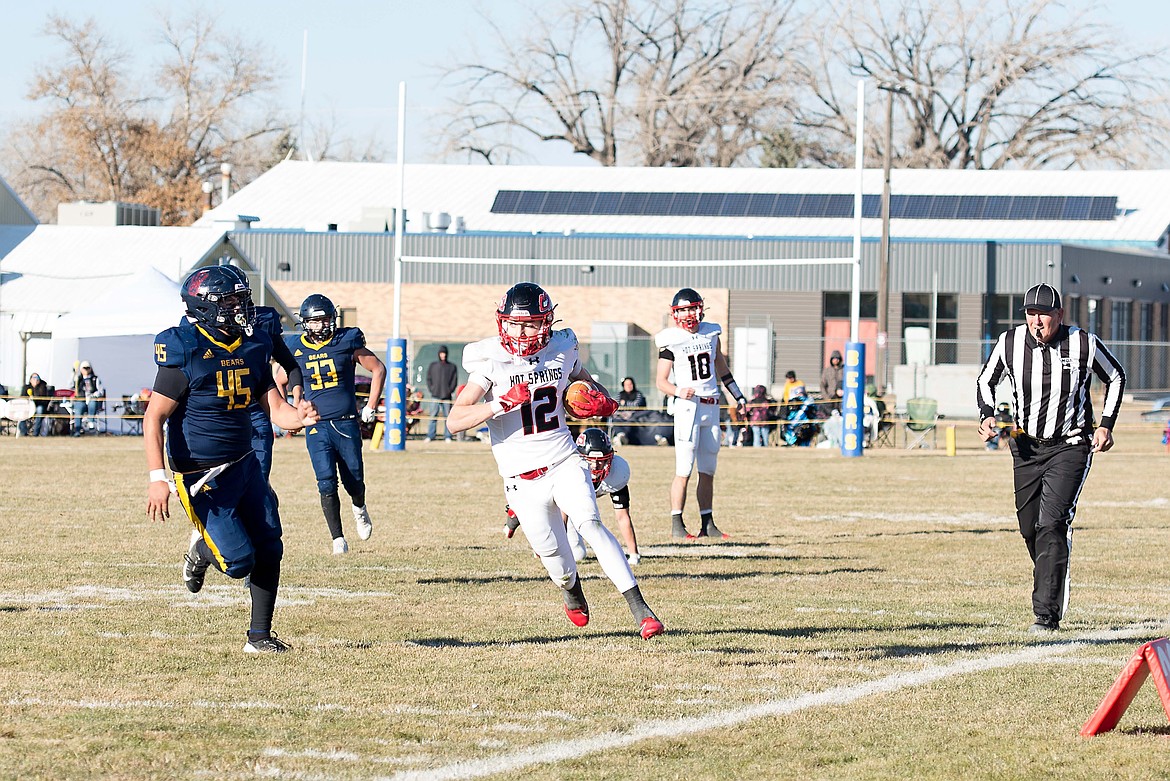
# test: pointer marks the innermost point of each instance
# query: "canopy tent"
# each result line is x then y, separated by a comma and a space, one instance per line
115, 333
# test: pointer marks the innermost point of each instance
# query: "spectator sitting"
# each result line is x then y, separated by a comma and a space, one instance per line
38, 390
88, 394
760, 413
790, 382
628, 400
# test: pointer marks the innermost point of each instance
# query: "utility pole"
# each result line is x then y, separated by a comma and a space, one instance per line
881, 369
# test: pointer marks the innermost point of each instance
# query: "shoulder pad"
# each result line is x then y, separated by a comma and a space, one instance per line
352, 338
564, 334
668, 336
268, 320
618, 477
479, 356
171, 347
713, 329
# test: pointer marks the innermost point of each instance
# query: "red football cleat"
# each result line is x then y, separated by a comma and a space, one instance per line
580, 616
650, 627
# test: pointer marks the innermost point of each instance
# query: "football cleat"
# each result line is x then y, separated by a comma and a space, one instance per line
576, 608
361, 518
711, 531
340, 546
194, 565
650, 627
267, 645
579, 616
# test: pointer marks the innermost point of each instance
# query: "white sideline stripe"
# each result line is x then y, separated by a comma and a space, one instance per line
560, 751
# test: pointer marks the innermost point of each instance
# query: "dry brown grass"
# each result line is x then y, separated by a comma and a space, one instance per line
439, 642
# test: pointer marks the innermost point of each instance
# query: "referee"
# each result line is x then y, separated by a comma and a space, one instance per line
1050, 366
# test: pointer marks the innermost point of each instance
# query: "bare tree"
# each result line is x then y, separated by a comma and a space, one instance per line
987, 85
655, 82
153, 140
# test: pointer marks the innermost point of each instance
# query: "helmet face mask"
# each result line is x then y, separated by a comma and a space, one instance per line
594, 445
687, 309
524, 319
318, 316
220, 297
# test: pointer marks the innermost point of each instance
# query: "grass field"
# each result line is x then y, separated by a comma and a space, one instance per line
866, 622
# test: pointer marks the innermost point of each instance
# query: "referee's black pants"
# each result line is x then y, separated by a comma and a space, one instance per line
1048, 480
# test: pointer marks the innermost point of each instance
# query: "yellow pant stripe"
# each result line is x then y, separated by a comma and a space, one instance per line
185, 500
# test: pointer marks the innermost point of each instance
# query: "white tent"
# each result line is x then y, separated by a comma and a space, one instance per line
115, 333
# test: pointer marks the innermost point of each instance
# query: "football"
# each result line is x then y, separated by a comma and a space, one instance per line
576, 403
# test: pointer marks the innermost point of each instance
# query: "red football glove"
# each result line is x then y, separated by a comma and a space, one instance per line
600, 405
512, 524
516, 396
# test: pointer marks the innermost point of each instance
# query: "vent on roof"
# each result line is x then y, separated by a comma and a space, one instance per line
107, 213
807, 206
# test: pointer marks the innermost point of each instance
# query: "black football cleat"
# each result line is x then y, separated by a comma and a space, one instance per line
267, 645
194, 565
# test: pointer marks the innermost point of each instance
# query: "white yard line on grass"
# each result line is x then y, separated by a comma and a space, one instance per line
562, 751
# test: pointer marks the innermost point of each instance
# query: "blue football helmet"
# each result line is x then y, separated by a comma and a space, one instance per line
318, 317
220, 297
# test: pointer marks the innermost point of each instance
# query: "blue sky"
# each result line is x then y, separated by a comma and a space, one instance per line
359, 51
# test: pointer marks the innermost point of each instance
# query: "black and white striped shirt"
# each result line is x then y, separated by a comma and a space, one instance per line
1050, 382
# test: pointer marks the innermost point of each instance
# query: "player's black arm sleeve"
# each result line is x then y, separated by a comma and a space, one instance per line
621, 498
171, 382
666, 353
282, 355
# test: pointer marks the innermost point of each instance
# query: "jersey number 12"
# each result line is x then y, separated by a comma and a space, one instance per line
540, 414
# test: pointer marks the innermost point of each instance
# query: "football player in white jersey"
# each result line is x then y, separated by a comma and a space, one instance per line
690, 349
611, 476
515, 384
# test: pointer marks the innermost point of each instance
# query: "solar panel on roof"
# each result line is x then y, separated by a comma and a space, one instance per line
1049, 207
943, 207
659, 203
808, 206
997, 207
607, 203
505, 202
555, 202
787, 206
971, 207
1023, 208
1076, 207
709, 204
531, 202
1103, 208
581, 203
684, 204
734, 205
760, 204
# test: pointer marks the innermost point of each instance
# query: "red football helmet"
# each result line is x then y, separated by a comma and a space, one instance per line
525, 302
687, 309
594, 445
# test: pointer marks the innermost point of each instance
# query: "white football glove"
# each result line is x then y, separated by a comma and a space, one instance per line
368, 414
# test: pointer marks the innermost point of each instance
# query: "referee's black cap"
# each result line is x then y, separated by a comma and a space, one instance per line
1043, 297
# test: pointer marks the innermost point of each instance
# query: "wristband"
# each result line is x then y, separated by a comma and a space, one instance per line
158, 476
732, 388
497, 408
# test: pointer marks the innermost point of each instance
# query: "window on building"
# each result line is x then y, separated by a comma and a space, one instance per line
1072, 310
349, 318
1119, 321
1092, 322
916, 313
1004, 312
841, 305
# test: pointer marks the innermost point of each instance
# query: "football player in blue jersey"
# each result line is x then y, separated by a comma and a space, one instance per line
210, 369
268, 320
328, 356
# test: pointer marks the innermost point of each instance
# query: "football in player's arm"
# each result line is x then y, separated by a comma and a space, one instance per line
210, 369
516, 382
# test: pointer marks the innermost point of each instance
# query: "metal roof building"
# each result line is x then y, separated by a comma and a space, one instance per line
964, 247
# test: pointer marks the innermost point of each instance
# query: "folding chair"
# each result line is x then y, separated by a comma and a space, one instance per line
921, 422
887, 427
131, 420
